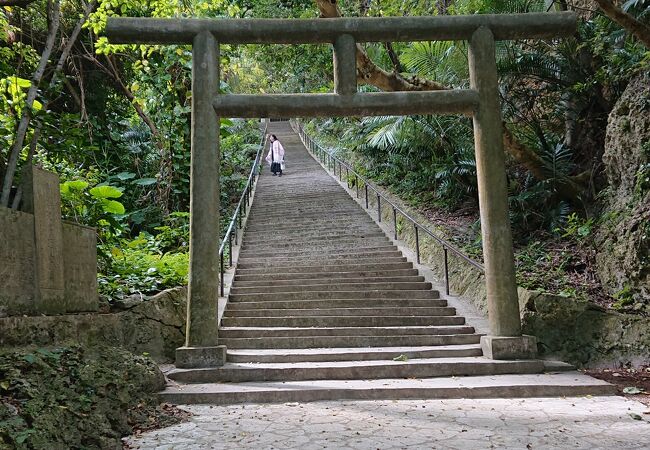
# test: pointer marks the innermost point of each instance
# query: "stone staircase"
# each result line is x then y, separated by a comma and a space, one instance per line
324, 306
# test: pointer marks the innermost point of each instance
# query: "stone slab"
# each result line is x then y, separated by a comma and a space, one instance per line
42, 198
503, 347
17, 256
200, 357
80, 268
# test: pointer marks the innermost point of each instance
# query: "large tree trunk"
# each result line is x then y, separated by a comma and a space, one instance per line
54, 16
370, 73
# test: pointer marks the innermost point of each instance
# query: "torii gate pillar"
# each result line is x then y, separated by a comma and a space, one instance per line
201, 334
505, 340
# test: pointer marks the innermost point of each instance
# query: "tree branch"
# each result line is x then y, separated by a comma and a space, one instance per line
129, 95
397, 65
640, 30
54, 15
16, 3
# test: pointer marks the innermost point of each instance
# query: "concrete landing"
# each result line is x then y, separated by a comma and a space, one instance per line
541, 423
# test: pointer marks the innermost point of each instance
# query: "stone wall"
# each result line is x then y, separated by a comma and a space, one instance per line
155, 326
46, 266
585, 334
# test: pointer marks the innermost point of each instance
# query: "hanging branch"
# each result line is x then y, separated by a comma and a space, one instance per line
131, 98
638, 29
54, 17
370, 73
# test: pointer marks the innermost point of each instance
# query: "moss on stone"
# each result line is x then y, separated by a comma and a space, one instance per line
74, 397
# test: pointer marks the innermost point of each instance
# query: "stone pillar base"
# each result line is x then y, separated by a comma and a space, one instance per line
200, 357
504, 347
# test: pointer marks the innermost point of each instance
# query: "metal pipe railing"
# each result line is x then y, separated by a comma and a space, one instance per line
322, 154
236, 221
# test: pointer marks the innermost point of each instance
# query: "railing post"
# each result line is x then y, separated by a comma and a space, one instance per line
505, 340
395, 222
365, 185
230, 249
446, 271
201, 335
356, 184
378, 207
417, 242
222, 273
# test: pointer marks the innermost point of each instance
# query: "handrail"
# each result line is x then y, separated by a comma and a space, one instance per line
236, 220
329, 160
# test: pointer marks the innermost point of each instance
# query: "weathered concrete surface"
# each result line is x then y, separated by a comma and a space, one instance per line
17, 257
501, 285
203, 277
126, 30
154, 326
80, 268
345, 65
577, 423
583, 334
461, 101
42, 199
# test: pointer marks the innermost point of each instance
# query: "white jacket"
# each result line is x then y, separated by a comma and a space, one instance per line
278, 152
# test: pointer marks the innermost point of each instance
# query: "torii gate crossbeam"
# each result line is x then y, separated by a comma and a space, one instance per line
481, 101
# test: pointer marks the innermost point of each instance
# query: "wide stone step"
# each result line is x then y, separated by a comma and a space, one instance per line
347, 214
350, 354
311, 235
340, 303
257, 231
329, 280
325, 261
570, 384
305, 287
379, 241
323, 268
325, 212
335, 231
317, 295
369, 275
341, 321
375, 310
351, 370
301, 255
273, 332
350, 341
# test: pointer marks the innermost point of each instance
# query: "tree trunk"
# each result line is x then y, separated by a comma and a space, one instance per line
53, 12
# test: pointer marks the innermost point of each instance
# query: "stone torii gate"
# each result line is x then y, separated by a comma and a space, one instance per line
481, 101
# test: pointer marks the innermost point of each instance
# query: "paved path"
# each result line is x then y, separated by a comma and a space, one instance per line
569, 423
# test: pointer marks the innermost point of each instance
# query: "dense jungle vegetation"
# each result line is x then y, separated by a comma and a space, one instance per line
113, 122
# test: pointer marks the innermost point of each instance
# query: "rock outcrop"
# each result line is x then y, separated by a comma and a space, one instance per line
623, 260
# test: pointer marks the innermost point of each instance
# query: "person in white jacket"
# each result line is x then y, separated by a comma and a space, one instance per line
276, 156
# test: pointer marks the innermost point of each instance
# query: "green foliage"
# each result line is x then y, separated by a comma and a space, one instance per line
576, 228
96, 206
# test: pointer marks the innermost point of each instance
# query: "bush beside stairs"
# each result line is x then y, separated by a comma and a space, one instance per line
324, 306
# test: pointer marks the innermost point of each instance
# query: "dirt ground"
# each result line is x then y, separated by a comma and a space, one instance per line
625, 379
